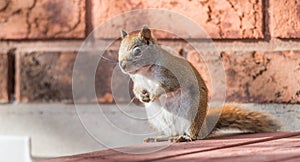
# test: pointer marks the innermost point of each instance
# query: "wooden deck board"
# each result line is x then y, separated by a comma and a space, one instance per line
274, 150
248, 147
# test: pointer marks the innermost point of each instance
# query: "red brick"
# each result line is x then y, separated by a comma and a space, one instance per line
260, 76
44, 76
4, 82
220, 18
285, 18
42, 19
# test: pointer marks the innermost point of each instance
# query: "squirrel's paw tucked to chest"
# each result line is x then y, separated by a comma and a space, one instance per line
143, 95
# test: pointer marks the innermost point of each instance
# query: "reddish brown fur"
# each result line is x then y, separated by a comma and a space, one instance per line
202, 108
234, 116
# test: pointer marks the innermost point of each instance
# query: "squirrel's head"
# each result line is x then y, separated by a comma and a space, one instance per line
137, 50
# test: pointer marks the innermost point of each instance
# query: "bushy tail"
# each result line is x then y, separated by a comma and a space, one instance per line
234, 116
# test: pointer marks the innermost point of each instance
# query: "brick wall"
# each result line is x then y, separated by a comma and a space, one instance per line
258, 42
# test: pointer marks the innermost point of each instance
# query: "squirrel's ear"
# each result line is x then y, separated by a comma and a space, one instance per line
145, 33
123, 33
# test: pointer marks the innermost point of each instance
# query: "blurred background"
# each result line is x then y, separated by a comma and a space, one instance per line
258, 42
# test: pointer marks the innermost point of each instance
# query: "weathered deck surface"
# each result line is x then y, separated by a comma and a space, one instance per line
280, 146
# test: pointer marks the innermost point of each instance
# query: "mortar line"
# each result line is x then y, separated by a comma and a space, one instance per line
60, 45
11, 74
266, 18
88, 18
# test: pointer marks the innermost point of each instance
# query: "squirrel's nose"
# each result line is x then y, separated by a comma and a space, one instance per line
123, 64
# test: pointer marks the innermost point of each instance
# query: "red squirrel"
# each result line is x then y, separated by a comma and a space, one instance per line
175, 95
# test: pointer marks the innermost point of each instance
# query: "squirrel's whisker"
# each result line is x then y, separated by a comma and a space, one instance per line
131, 101
110, 60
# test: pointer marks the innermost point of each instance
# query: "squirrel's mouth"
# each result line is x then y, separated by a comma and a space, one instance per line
142, 69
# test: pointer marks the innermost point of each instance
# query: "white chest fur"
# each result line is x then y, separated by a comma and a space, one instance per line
142, 81
165, 114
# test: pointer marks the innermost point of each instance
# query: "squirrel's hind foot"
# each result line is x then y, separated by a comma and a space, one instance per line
156, 139
181, 138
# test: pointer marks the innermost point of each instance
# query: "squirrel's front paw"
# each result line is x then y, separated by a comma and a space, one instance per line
145, 96
142, 94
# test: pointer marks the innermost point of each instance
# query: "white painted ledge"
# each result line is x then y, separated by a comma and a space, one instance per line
15, 149
55, 129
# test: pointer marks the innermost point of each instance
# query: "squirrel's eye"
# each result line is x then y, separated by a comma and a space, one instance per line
137, 51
